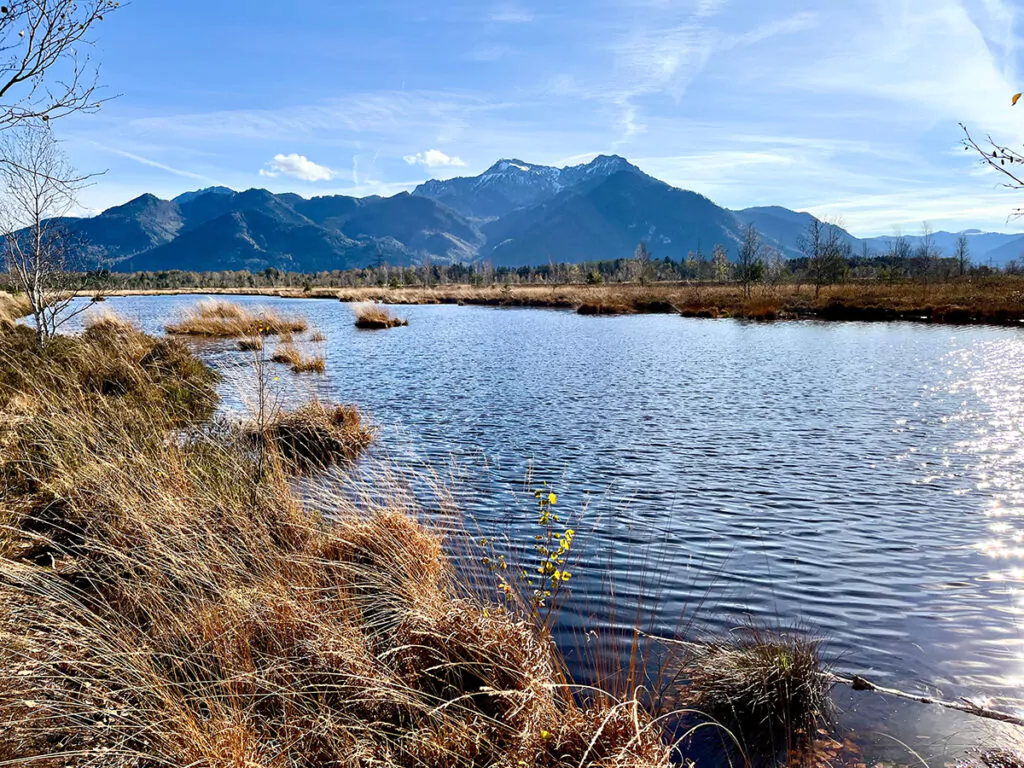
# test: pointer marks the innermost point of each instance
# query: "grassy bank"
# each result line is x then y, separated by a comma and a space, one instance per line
167, 599
980, 300
992, 300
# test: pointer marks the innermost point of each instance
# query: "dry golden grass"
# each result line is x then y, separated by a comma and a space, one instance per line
375, 317
223, 319
288, 354
106, 320
997, 299
252, 344
318, 337
315, 436
310, 364
166, 598
12, 307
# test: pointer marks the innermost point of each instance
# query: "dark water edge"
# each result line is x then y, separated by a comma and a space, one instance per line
859, 479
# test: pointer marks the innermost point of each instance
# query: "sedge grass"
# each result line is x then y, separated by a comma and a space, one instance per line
224, 319
376, 317
288, 354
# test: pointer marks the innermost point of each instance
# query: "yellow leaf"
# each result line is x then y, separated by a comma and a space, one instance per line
1016, 98
552, 498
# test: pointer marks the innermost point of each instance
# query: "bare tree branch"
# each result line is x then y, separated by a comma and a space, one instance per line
37, 192
1003, 159
43, 73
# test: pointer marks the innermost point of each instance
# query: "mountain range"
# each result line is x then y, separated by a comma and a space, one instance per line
514, 214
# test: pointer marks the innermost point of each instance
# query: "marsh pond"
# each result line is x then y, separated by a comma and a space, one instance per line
862, 481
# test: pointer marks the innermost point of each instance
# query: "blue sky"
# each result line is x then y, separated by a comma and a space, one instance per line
845, 108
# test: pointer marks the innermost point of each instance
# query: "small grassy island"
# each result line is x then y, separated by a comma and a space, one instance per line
371, 317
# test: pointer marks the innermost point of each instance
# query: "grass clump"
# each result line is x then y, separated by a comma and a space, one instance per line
252, 344
224, 319
316, 435
311, 364
762, 681
375, 317
111, 359
12, 306
288, 354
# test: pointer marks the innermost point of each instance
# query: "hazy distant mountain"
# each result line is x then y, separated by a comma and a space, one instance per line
217, 228
256, 239
995, 247
416, 221
1010, 250
515, 213
781, 226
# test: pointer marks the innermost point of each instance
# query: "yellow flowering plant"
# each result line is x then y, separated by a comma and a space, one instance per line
544, 580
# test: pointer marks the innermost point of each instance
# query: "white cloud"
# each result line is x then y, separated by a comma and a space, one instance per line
298, 166
433, 158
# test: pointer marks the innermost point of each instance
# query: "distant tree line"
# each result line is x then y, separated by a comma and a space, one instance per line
827, 257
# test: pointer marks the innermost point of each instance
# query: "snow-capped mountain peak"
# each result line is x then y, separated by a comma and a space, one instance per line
513, 183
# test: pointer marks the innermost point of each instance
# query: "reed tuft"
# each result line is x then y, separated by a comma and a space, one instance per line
224, 319
376, 317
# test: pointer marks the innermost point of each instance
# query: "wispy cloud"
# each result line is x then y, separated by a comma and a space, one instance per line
930, 58
511, 13
154, 164
297, 166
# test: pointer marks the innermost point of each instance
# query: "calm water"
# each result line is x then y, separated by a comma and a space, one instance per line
863, 479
